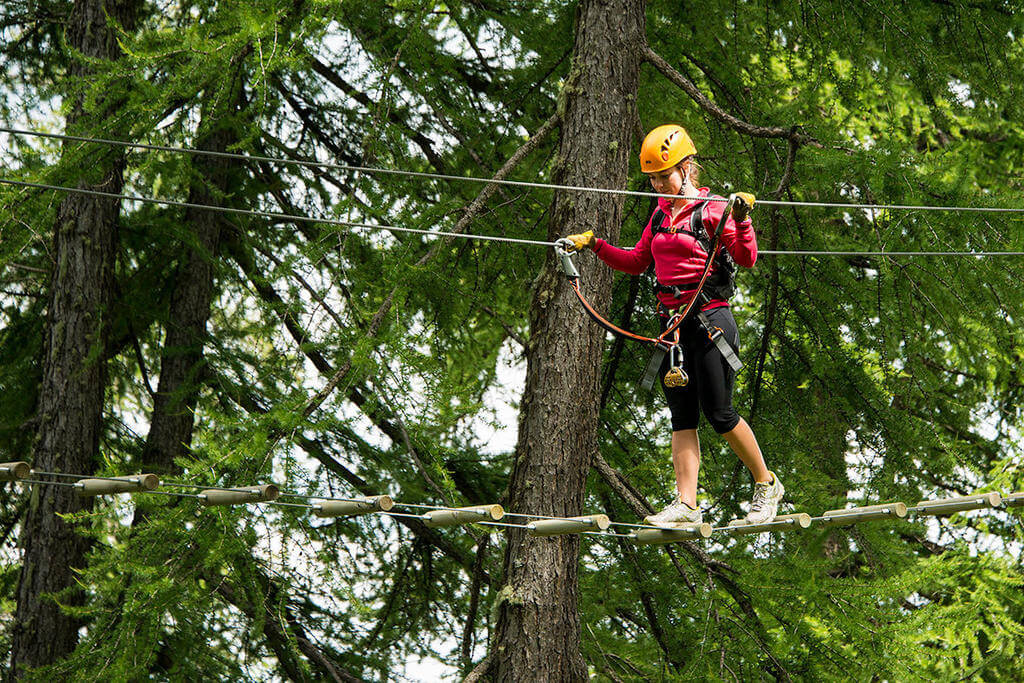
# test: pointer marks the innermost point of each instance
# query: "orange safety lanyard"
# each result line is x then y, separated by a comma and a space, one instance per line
574, 278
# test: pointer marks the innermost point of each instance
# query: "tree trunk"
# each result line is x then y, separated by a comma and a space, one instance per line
538, 630
74, 374
181, 360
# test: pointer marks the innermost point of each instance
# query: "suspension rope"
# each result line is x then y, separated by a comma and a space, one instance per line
286, 494
440, 233
488, 181
825, 252
871, 513
265, 214
51, 483
177, 494
308, 496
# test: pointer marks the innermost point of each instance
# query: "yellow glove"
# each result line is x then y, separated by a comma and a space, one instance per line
742, 206
584, 241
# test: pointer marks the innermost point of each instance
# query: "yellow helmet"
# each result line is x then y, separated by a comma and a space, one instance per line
664, 147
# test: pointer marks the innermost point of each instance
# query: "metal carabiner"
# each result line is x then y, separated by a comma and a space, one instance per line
676, 376
568, 267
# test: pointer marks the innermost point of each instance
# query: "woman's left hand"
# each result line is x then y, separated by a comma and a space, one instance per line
742, 206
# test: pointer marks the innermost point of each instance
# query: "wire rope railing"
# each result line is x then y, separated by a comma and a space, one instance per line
472, 179
252, 213
490, 515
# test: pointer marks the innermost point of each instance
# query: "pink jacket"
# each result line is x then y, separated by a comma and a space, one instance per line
678, 257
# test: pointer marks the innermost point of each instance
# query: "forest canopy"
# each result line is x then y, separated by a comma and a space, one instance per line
282, 341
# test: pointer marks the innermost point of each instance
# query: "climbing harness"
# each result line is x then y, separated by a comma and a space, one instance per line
721, 283
717, 338
668, 341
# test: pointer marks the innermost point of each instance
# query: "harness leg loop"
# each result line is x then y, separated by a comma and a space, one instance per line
718, 339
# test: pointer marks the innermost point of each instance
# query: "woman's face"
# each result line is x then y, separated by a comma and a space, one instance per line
669, 181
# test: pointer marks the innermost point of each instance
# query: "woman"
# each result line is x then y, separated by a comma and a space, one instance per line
673, 241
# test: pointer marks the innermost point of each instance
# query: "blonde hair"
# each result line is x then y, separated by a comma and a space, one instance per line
695, 169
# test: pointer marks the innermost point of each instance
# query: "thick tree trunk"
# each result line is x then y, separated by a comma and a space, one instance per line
74, 374
181, 359
538, 630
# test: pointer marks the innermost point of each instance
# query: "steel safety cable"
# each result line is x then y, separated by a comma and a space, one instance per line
825, 252
267, 214
48, 483
79, 477
289, 494
304, 506
121, 478
68, 484
415, 506
439, 233
600, 534
605, 533
307, 496
178, 494
492, 181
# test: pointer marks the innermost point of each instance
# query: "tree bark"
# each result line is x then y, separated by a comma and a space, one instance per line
181, 360
538, 630
74, 372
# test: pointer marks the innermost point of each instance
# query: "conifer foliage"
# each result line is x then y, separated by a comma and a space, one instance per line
234, 348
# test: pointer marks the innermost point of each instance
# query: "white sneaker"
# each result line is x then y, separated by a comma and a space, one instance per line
765, 502
677, 514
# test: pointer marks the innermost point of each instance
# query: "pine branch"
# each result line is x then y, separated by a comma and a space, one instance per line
418, 528
393, 427
481, 670
440, 245
793, 134
332, 76
315, 128
619, 345
713, 78
618, 483
280, 636
647, 601
474, 602
320, 453
397, 589
509, 330
313, 293
273, 182
11, 521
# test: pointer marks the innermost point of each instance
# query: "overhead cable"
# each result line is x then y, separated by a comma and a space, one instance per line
440, 233
265, 214
488, 181
827, 252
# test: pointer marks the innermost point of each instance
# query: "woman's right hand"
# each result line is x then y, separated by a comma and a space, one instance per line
584, 241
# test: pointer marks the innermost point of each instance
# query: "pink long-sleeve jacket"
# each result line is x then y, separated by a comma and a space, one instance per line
678, 257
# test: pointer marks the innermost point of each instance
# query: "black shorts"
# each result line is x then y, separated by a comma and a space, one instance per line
711, 377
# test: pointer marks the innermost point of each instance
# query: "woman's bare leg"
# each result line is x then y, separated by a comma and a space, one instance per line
744, 444
686, 463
